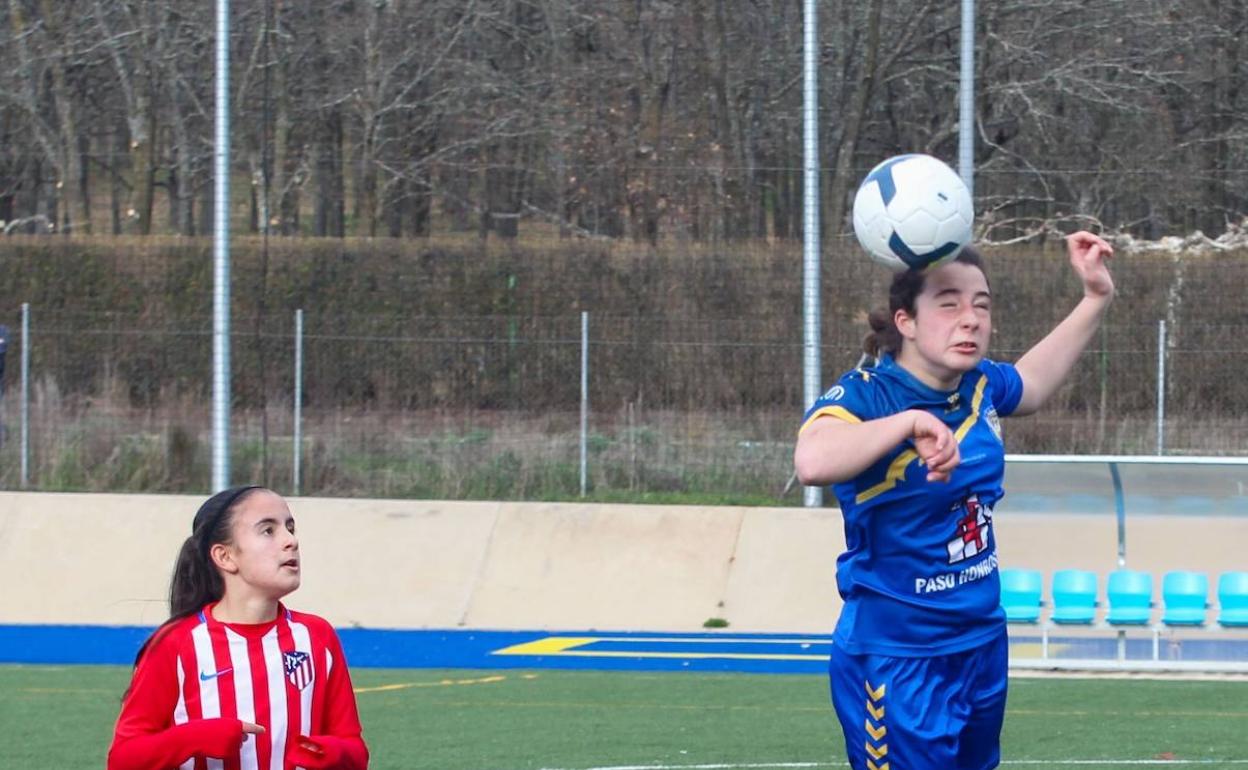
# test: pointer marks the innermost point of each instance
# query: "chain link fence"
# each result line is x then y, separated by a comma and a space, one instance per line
489, 406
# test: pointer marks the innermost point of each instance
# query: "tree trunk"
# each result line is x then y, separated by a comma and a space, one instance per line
843, 176
330, 209
142, 126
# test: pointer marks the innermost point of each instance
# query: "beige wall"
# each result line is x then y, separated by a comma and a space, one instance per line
105, 559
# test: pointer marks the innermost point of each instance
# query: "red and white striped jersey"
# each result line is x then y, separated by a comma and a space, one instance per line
288, 675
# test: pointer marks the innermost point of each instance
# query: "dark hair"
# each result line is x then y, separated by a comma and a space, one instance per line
196, 581
907, 285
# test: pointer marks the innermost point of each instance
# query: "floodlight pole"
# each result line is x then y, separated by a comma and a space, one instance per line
966, 100
221, 261
812, 384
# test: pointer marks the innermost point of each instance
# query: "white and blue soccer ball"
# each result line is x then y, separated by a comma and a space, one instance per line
913, 211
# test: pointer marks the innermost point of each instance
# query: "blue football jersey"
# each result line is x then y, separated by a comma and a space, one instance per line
919, 576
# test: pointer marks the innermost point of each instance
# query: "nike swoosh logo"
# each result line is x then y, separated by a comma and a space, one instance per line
204, 676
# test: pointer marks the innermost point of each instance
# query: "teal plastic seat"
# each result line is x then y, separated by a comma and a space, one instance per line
1130, 598
1074, 597
1233, 599
1020, 595
1186, 597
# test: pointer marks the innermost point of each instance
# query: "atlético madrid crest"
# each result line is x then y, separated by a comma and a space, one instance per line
298, 666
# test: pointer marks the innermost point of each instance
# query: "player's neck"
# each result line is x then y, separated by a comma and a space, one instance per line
245, 608
936, 378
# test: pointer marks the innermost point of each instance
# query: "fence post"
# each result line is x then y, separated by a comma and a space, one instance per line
298, 416
4, 349
584, 399
25, 402
1161, 387
1120, 514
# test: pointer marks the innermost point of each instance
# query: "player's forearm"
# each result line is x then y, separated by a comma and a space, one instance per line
1045, 367
173, 746
830, 451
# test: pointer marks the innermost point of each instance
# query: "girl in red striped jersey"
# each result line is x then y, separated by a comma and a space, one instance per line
234, 680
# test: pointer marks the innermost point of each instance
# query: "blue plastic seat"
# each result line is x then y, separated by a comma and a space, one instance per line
1233, 599
1020, 594
1130, 598
1074, 597
1186, 597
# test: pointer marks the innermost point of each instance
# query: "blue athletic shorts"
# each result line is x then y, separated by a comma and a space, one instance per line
939, 713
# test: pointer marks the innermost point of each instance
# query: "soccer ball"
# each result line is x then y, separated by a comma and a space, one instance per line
913, 211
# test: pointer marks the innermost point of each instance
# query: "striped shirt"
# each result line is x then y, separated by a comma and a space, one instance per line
287, 675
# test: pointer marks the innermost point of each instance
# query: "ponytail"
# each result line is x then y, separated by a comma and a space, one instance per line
196, 580
883, 337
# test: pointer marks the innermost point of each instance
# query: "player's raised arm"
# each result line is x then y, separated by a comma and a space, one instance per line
830, 450
1045, 366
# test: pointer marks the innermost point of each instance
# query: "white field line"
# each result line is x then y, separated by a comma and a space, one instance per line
1007, 762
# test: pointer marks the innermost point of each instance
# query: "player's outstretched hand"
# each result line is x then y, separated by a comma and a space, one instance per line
936, 445
1088, 255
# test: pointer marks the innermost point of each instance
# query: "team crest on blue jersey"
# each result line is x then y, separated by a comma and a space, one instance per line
835, 393
298, 666
971, 536
994, 422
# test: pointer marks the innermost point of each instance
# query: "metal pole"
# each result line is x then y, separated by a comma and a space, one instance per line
1161, 387
966, 99
584, 400
298, 417
1120, 510
221, 261
811, 366
25, 401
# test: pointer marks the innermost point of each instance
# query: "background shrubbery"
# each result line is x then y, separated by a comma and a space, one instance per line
429, 363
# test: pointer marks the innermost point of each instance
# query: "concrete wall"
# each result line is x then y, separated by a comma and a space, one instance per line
105, 559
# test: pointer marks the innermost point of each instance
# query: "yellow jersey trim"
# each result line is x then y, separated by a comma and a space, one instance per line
839, 412
897, 468
976, 402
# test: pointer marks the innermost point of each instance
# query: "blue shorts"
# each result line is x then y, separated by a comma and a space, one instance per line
939, 713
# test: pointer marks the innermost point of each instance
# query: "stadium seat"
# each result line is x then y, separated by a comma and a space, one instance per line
1020, 594
1074, 597
1186, 597
1233, 599
1130, 598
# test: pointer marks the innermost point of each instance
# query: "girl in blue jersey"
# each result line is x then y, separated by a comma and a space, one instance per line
912, 447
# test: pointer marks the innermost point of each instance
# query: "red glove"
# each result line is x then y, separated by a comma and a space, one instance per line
314, 754
219, 737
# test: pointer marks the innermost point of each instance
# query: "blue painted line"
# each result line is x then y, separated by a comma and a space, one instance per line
616, 651
71, 644
456, 648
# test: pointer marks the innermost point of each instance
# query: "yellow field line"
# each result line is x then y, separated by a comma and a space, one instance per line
439, 683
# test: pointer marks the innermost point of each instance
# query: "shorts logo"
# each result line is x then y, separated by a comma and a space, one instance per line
835, 393
971, 536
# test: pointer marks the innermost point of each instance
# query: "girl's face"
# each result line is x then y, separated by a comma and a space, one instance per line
265, 551
948, 333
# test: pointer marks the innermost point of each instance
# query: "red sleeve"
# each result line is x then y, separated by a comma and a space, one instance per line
146, 738
340, 745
